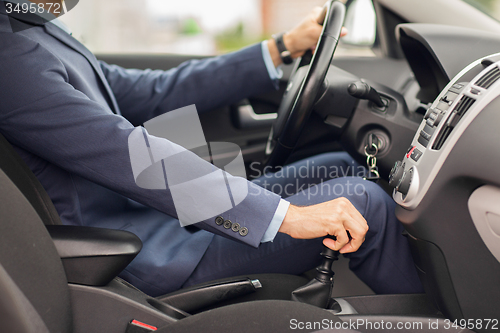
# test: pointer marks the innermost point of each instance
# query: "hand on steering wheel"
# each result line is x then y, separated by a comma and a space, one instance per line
303, 88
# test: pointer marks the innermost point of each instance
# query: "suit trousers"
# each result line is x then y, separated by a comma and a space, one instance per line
383, 262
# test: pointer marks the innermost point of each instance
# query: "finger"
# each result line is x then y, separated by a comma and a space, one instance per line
342, 240
357, 228
320, 18
317, 11
353, 245
355, 215
344, 32
357, 231
356, 223
329, 243
313, 49
352, 217
348, 248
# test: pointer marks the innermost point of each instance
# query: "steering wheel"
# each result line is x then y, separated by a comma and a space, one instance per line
303, 88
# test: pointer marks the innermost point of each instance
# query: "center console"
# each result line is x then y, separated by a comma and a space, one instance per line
448, 192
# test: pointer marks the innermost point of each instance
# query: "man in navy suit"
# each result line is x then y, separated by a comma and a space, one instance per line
69, 116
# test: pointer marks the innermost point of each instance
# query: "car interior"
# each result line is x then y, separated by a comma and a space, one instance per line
425, 106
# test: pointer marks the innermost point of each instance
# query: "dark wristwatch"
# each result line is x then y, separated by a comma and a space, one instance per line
285, 55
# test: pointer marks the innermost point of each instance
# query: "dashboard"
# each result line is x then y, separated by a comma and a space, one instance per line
444, 122
446, 183
445, 158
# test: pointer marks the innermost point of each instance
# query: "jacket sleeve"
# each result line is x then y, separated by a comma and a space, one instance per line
207, 83
42, 113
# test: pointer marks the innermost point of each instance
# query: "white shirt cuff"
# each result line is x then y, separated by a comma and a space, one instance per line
274, 73
276, 222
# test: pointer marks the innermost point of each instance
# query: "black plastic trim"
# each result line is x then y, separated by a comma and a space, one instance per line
93, 256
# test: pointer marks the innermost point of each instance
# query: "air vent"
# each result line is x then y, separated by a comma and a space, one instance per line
489, 78
462, 107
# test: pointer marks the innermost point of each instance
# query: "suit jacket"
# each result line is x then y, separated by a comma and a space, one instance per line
69, 116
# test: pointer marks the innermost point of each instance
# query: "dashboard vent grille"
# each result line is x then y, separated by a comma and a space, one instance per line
489, 78
462, 107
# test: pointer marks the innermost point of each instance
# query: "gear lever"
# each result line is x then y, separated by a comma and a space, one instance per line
318, 291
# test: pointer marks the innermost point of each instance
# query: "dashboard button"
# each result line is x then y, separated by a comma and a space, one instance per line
416, 154
425, 135
451, 96
410, 152
457, 88
423, 141
405, 184
438, 119
443, 105
427, 132
428, 113
397, 173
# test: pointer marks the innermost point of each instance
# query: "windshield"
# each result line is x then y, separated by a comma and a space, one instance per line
489, 7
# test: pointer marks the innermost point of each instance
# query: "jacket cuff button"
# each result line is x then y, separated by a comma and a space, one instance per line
219, 220
227, 224
235, 227
244, 231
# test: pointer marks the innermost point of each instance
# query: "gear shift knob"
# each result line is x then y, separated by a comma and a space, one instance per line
318, 291
324, 271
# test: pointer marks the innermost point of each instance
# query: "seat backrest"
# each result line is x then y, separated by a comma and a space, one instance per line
20, 174
34, 292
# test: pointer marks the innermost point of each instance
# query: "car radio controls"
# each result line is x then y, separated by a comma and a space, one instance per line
396, 174
404, 186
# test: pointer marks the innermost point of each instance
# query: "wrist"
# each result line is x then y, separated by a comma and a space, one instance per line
289, 44
291, 217
283, 51
273, 51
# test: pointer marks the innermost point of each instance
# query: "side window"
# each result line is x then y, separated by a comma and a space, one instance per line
490, 7
361, 23
196, 27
